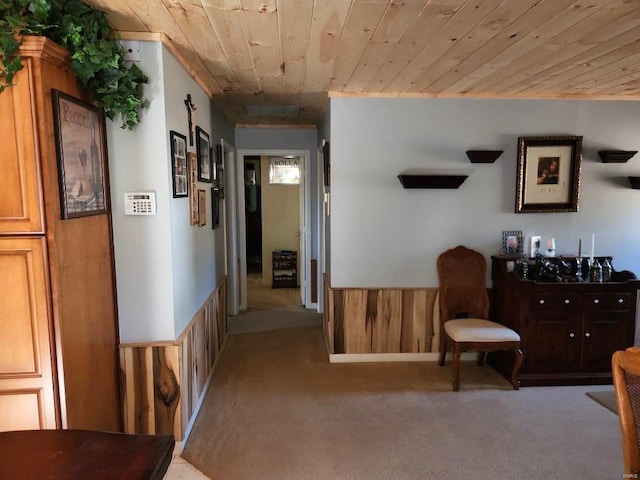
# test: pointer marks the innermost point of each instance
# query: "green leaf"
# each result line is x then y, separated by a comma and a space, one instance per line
96, 57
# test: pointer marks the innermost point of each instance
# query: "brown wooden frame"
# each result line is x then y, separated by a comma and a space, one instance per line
202, 208
80, 143
535, 193
192, 160
623, 362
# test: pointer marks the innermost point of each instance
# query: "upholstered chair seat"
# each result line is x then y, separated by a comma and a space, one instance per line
479, 330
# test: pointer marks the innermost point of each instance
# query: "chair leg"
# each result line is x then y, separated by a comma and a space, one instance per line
480, 360
456, 368
516, 368
443, 350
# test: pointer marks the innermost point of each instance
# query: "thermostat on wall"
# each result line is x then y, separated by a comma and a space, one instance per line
139, 203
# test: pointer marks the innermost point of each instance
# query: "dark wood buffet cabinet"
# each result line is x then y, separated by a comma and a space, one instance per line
569, 331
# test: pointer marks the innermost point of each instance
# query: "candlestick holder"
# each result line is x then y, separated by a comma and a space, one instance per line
579, 276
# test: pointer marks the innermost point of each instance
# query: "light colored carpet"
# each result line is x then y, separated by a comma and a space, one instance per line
606, 398
277, 410
262, 297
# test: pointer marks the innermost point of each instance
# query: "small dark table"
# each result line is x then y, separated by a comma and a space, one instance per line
76, 454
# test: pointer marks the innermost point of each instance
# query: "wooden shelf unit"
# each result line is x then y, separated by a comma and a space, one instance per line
483, 156
431, 181
285, 269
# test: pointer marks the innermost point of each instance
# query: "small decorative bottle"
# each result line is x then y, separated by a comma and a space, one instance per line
606, 270
595, 274
523, 267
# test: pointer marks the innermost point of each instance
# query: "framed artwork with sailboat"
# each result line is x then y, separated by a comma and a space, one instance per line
80, 144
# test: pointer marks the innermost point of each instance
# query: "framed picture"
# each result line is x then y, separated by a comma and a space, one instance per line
512, 242
202, 208
193, 188
220, 171
179, 164
205, 171
326, 164
548, 177
82, 156
215, 208
536, 242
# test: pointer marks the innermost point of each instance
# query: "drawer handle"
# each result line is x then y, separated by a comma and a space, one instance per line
587, 334
572, 335
541, 302
566, 302
596, 301
620, 300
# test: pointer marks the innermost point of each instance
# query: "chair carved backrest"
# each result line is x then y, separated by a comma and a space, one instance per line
626, 380
463, 285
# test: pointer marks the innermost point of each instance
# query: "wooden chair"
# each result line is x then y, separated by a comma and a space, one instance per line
626, 385
464, 313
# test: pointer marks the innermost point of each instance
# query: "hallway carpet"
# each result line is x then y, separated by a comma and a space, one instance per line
277, 410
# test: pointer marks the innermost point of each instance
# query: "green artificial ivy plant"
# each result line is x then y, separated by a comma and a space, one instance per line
97, 58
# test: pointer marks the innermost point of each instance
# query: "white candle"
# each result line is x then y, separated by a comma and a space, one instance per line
593, 243
579, 248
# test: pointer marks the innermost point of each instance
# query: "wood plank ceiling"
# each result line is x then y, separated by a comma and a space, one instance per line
269, 54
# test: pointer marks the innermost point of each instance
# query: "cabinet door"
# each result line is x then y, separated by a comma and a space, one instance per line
20, 195
555, 330
26, 376
608, 326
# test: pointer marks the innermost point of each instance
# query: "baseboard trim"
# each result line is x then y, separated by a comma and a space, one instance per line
393, 357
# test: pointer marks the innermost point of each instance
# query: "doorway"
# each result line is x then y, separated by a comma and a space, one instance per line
273, 230
248, 257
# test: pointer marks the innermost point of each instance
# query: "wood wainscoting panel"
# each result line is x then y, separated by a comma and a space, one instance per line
384, 320
162, 382
328, 316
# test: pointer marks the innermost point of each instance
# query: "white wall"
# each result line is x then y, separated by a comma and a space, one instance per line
385, 236
165, 267
192, 247
142, 246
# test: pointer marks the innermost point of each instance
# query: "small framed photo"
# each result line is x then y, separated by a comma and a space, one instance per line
512, 242
220, 170
193, 188
548, 178
536, 243
179, 164
205, 170
82, 155
202, 208
215, 208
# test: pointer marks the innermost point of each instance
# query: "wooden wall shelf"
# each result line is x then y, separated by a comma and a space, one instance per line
483, 156
431, 181
616, 156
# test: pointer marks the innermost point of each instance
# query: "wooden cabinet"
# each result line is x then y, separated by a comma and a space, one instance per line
58, 326
569, 330
285, 269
